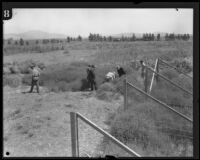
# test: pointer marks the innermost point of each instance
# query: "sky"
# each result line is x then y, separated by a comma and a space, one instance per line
74, 22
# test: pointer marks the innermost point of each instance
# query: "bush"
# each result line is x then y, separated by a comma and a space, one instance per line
145, 125
170, 96
27, 79
63, 77
6, 70
41, 65
11, 80
106, 91
182, 65
66, 52
14, 69
170, 74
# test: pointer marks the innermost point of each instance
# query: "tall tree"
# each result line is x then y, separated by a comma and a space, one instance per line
158, 37
133, 38
16, 42
79, 38
21, 42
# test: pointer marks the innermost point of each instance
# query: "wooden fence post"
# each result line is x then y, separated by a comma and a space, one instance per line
157, 70
74, 135
125, 94
146, 80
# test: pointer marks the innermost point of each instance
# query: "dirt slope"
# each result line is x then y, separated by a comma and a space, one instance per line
39, 125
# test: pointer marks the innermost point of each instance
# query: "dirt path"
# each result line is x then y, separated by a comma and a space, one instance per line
39, 125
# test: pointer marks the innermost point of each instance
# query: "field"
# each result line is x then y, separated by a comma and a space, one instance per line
39, 125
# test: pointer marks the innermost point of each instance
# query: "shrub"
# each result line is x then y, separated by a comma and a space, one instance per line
27, 79
182, 65
66, 51
63, 77
14, 69
11, 80
41, 65
146, 125
84, 84
171, 96
170, 74
6, 70
106, 91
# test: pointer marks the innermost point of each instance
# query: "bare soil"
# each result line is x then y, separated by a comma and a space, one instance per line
39, 124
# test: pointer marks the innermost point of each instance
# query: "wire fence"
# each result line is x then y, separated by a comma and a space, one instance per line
161, 119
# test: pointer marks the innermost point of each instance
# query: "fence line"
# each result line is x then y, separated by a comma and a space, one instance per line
174, 68
169, 81
74, 135
162, 103
180, 106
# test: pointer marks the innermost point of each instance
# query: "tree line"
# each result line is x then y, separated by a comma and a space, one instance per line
98, 37
23, 42
145, 37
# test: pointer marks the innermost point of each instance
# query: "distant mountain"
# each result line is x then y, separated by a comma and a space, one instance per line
35, 35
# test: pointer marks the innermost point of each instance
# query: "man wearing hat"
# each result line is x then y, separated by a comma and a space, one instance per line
143, 65
35, 78
120, 71
91, 77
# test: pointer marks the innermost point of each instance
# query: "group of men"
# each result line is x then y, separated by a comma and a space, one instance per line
90, 75
111, 75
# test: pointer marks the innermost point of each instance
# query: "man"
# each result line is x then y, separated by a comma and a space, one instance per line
91, 77
110, 76
120, 71
35, 78
143, 65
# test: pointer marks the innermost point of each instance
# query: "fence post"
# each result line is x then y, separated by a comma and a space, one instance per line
125, 94
146, 80
157, 70
74, 134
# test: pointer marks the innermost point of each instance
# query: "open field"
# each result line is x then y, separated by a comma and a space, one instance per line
39, 125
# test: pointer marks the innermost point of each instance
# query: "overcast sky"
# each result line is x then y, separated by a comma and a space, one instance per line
75, 22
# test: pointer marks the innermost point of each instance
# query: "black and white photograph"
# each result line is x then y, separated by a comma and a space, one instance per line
93, 82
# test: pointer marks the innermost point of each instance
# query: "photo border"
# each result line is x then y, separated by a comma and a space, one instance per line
194, 5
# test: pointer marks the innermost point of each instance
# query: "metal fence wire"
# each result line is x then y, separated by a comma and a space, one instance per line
168, 120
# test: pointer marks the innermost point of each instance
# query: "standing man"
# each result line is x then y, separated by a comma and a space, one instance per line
120, 71
35, 78
91, 77
143, 65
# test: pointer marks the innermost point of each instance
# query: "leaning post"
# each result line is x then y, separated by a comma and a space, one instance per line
146, 80
157, 70
74, 134
125, 94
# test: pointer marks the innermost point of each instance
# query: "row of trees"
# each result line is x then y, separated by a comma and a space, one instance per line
22, 42
98, 37
177, 36
145, 37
